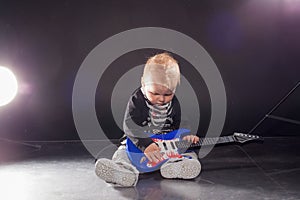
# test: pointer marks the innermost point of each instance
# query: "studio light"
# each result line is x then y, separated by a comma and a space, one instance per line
8, 91
8, 86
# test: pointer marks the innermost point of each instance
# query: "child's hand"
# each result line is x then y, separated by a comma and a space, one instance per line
191, 138
152, 152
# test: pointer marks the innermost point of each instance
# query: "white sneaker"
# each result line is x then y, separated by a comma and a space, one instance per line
115, 173
184, 168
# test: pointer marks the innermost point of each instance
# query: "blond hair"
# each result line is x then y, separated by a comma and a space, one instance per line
165, 68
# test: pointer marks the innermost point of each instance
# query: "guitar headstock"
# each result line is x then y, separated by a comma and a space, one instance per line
242, 137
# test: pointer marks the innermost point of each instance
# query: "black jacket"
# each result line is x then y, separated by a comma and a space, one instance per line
137, 120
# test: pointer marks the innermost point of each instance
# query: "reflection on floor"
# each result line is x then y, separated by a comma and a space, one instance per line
66, 171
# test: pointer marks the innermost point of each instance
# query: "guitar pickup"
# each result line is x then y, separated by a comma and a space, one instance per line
165, 146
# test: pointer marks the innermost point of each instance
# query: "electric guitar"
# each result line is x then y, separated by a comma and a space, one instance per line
172, 146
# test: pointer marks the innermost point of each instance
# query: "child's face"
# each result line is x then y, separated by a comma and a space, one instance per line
158, 94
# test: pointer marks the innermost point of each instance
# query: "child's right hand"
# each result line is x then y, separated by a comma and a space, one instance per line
152, 152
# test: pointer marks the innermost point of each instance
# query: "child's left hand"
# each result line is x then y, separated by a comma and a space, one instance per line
191, 138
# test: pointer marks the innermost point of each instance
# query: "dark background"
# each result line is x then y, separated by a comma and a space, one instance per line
255, 45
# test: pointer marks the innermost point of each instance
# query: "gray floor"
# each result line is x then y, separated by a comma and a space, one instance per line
66, 171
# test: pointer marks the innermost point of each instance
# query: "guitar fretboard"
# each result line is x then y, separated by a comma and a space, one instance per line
204, 142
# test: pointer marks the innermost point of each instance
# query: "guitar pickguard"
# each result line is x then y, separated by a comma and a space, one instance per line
166, 153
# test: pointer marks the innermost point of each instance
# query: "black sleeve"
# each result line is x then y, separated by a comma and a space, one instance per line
178, 120
135, 116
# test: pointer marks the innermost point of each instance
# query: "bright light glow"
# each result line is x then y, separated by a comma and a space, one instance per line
292, 6
8, 86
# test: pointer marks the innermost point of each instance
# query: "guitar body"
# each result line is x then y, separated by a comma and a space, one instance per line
166, 142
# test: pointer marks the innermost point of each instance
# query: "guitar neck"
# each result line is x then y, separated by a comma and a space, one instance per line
205, 142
